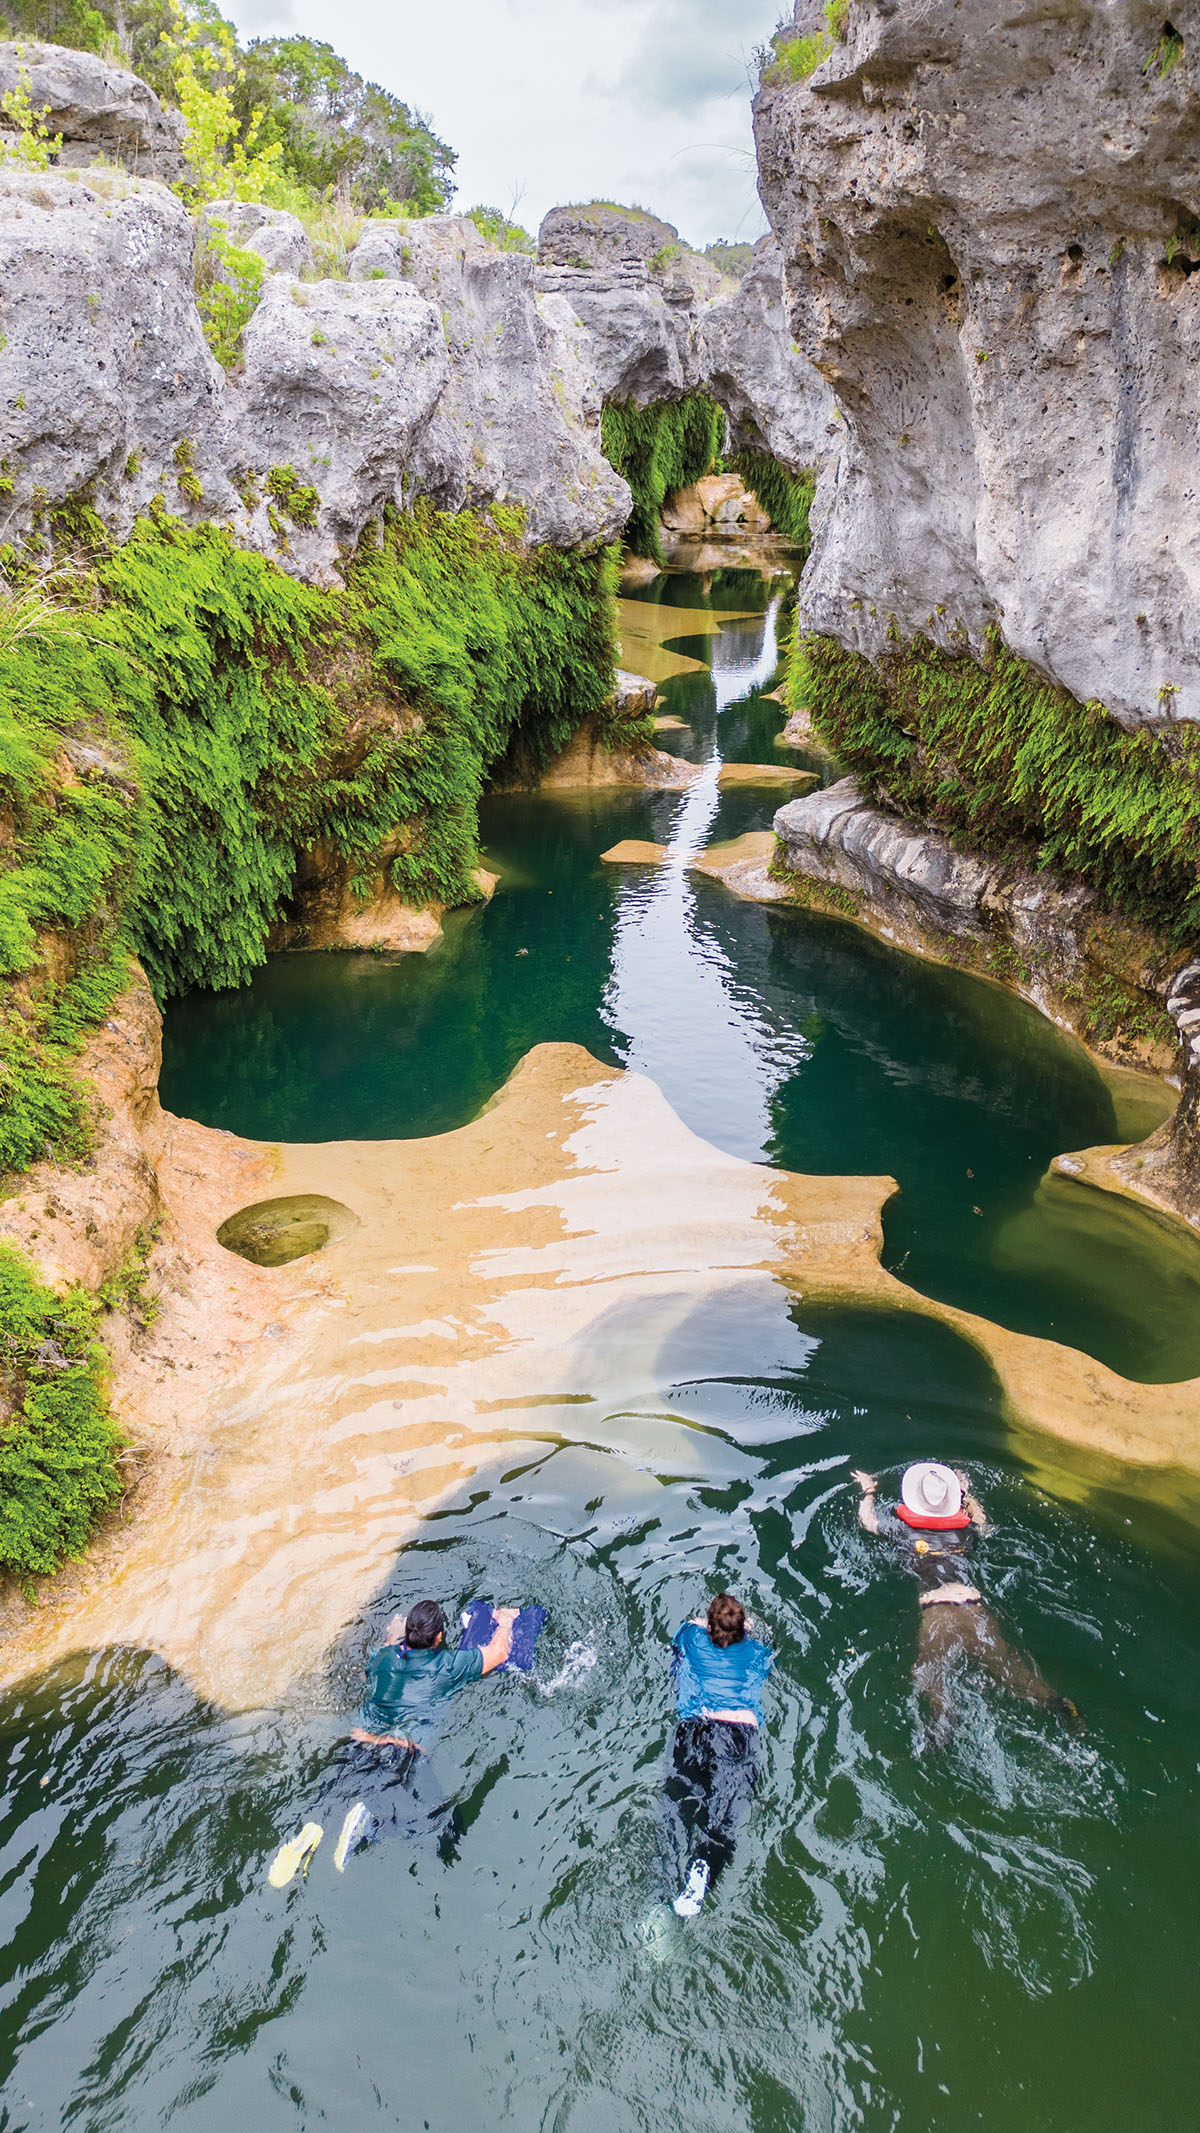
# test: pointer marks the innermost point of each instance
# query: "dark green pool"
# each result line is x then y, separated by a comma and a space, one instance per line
996, 1936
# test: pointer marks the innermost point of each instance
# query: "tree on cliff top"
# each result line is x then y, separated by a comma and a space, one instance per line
340, 132
334, 132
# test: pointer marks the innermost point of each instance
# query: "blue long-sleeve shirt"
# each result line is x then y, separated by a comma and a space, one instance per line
708, 1677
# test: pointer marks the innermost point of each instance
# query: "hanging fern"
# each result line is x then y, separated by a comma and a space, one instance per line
999, 757
659, 449
173, 734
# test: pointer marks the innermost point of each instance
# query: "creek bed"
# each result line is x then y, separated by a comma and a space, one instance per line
906, 1939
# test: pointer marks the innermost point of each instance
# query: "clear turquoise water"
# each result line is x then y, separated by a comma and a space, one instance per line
998, 1936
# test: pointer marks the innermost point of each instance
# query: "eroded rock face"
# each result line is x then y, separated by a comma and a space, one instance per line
661, 322
104, 367
749, 359
440, 367
520, 414
340, 382
370, 391
97, 109
984, 213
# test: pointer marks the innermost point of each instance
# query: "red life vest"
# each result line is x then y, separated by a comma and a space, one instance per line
925, 1520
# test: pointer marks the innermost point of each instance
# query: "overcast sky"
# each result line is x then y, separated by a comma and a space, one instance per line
642, 101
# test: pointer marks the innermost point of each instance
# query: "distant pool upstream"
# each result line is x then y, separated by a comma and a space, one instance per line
907, 1942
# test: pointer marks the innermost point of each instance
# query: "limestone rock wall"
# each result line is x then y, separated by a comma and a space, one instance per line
989, 217
439, 373
96, 109
440, 367
660, 322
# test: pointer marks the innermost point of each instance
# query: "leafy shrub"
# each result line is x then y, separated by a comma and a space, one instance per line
57, 1439
996, 755
24, 134
228, 280
501, 230
789, 58
659, 449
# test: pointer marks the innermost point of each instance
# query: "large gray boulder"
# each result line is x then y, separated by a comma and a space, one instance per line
104, 367
280, 239
987, 219
339, 383
520, 416
602, 235
99, 109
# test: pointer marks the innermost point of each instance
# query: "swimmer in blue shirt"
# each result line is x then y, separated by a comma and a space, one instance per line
719, 1674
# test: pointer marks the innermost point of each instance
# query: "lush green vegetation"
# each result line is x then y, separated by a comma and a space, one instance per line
786, 498
993, 753
58, 1442
732, 259
501, 230
297, 110
658, 449
673, 443
790, 58
179, 719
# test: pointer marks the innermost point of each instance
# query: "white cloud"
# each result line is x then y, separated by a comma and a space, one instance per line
558, 100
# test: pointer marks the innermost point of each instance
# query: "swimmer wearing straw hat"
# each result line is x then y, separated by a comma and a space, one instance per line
935, 1523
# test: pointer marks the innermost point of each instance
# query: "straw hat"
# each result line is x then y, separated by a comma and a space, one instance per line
931, 1490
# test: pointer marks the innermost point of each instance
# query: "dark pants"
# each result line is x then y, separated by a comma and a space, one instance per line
399, 1788
714, 1770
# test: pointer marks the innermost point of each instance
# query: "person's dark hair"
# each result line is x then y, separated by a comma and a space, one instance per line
424, 1625
726, 1620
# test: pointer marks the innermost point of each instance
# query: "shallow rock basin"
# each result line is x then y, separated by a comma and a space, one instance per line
275, 1232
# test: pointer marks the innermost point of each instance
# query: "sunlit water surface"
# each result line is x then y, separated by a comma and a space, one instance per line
997, 1935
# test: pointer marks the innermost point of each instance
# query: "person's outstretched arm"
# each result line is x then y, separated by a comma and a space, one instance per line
971, 1504
868, 1517
499, 1645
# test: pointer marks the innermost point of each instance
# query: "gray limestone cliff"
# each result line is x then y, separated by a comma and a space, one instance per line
440, 366
370, 390
97, 110
661, 321
989, 217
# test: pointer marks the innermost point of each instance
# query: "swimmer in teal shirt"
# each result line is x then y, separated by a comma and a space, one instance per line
719, 1675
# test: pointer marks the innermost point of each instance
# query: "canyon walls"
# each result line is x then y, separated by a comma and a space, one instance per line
989, 218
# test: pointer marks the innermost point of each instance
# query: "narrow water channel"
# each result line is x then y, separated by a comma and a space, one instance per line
907, 1940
